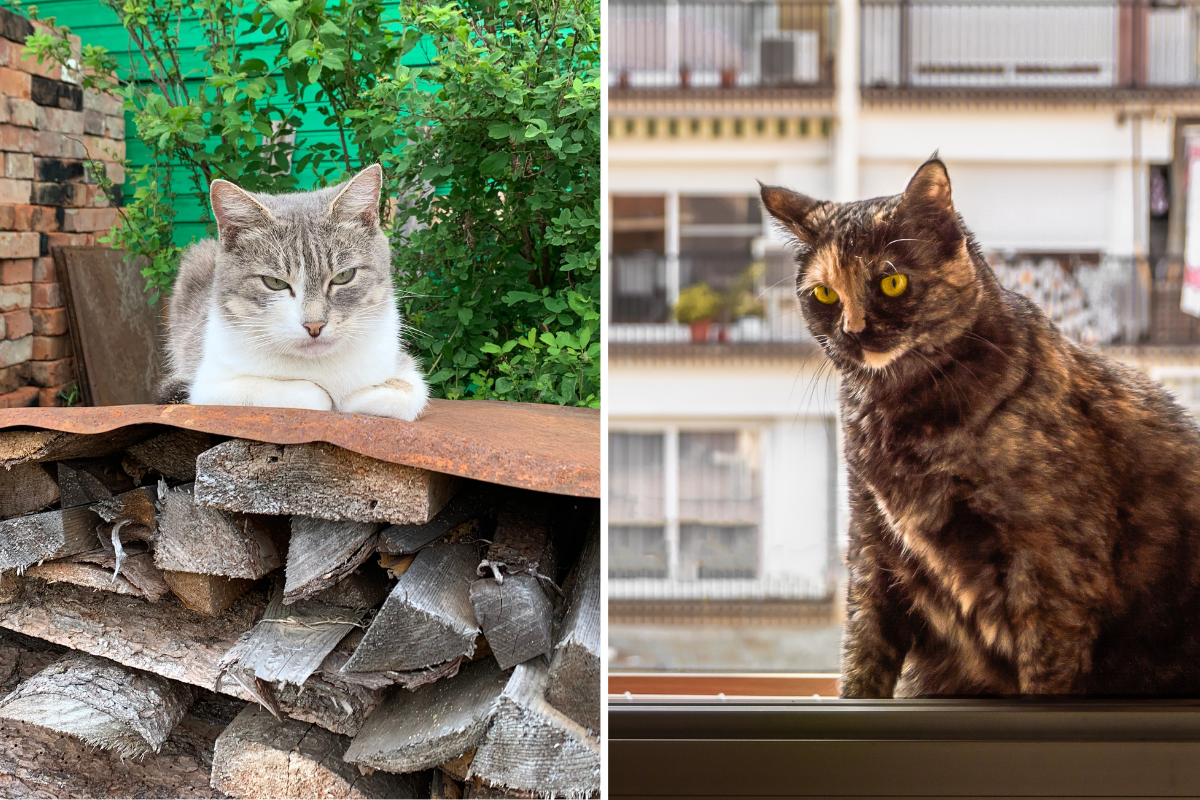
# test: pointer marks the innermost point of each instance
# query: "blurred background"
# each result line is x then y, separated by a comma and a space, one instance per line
1068, 127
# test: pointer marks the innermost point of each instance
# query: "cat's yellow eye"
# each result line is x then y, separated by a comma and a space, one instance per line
894, 285
274, 283
825, 294
345, 276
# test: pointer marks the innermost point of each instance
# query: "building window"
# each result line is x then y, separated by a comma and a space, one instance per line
639, 266
701, 523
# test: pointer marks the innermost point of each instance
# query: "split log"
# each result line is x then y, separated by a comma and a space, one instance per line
290, 642
84, 481
473, 501
26, 488
532, 746
322, 552
318, 480
137, 507
511, 604
25, 541
137, 568
21, 447
428, 618
574, 683
171, 455
364, 588
163, 638
418, 730
259, 756
89, 575
102, 703
194, 538
206, 594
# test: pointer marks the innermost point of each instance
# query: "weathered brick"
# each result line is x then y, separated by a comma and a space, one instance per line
58, 194
52, 240
3, 108
13, 378
14, 83
13, 26
15, 139
52, 373
14, 191
58, 145
18, 324
16, 351
88, 219
48, 68
46, 295
12, 297
7, 216
18, 165
51, 396
25, 396
107, 104
21, 217
16, 270
44, 271
49, 321
43, 219
56, 170
56, 119
115, 173
23, 112
49, 348
19, 245
105, 149
94, 122
116, 127
56, 94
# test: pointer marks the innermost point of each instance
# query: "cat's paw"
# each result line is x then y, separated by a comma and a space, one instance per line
246, 391
400, 398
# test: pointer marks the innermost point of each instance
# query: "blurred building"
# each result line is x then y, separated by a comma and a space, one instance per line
1065, 125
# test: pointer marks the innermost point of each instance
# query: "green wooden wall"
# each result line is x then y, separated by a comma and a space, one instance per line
96, 24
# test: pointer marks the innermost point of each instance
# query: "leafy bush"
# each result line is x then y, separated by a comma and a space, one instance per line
491, 156
697, 302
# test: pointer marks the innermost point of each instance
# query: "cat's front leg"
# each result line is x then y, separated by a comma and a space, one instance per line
247, 390
1053, 627
403, 397
878, 634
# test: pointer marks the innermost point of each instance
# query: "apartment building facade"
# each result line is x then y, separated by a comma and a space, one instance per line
1065, 125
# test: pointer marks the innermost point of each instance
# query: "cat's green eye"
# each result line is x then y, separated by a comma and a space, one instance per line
274, 283
825, 295
345, 276
894, 285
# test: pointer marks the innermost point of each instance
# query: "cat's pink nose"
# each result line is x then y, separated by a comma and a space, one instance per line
314, 328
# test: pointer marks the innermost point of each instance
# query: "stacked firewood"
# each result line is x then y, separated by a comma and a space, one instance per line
394, 632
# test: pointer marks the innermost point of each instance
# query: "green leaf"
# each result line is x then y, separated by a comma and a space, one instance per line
496, 164
299, 51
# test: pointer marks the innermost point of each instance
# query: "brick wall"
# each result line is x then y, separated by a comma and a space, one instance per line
49, 125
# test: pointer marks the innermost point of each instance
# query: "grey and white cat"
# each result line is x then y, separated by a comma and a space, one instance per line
293, 307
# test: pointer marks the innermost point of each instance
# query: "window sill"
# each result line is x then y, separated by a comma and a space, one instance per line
693, 747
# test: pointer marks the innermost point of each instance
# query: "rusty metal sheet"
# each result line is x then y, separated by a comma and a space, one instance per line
114, 331
543, 448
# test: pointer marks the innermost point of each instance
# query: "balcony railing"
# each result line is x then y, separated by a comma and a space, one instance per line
1115, 301
682, 45
1037, 44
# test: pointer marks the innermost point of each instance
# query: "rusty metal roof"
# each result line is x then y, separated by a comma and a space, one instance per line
540, 447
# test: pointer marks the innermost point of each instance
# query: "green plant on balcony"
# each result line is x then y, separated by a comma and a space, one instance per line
492, 148
698, 303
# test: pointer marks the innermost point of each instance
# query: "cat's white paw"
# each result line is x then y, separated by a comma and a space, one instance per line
261, 392
400, 398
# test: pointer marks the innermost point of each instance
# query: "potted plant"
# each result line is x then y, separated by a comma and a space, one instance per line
685, 76
696, 307
728, 77
623, 81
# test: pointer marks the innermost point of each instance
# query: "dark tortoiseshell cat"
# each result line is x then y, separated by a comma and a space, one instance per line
1025, 513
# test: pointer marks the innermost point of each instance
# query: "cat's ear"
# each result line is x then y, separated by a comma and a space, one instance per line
929, 188
794, 211
358, 201
236, 211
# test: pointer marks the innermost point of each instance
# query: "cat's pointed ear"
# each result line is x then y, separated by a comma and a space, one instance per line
794, 211
236, 211
929, 188
358, 201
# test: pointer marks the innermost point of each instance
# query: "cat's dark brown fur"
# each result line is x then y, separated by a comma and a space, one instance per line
1025, 513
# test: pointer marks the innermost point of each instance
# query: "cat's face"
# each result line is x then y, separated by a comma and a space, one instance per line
304, 274
884, 280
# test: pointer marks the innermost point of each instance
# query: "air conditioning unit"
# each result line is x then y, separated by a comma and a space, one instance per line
789, 57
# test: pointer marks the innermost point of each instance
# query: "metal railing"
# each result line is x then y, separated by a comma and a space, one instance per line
1115, 301
720, 44
1042, 44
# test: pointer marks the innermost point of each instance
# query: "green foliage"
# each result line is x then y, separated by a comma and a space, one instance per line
492, 150
696, 302
70, 396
